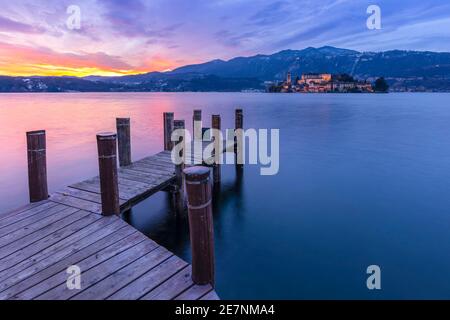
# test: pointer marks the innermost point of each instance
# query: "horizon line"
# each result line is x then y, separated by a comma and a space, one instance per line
124, 74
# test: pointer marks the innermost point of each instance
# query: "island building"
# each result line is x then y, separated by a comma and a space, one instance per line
321, 83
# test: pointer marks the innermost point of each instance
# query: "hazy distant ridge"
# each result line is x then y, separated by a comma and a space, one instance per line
404, 70
395, 63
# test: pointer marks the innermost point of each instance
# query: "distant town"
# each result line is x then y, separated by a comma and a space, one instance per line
326, 83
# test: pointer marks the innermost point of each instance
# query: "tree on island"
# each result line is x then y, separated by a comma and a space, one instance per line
343, 77
381, 85
274, 89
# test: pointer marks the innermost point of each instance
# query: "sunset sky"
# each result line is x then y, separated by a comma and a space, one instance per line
136, 36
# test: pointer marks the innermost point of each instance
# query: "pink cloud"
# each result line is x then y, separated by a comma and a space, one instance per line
21, 55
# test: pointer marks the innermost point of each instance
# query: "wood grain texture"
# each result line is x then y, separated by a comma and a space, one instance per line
39, 241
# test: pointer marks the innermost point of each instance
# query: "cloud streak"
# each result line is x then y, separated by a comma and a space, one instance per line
153, 35
8, 25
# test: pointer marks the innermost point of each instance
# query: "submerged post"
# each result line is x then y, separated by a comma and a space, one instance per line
197, 130
200, 224
124, 141
216, 124
239, 139
168, 129
179, 189
109, 185
37, 165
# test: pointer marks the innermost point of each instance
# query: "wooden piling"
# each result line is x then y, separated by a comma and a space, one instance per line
37, 165
239, 139
124, 141
216, 124
109, 186
168, 129
198, 132
179, 199
200, 224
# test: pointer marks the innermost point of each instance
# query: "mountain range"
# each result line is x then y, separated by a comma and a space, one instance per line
404, 71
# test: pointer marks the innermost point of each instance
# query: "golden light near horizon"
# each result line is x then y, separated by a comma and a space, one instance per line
27, 70
26, 62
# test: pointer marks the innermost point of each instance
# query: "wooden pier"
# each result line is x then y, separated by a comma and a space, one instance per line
78, 226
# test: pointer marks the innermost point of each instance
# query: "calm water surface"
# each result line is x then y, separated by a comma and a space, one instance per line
364, 179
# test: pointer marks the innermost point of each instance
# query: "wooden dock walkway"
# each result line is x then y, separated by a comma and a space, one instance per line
136, 182
40, 241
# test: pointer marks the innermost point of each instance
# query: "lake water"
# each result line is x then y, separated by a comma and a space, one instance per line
364, 180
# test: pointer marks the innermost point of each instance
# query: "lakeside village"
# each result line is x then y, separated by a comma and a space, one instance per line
326, 83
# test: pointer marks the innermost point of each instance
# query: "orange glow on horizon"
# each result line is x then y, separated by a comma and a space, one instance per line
59, 71
28, 61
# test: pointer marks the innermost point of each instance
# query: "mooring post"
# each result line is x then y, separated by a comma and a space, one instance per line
179, 185
168, 129
109, 185
37, 165
197, 131
239, 139
200, 224
124, 141
216, 124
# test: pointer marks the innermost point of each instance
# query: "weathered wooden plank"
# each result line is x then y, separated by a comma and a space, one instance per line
20, 209
171, 288
93, 185
210, 296
161, 161
139, 178
60, 278
101, 271
50, 246
81, 194
90, 185
153, 180
156, 166
49, 217
148, 169
148, 175
117, 260
22, 224
150, 280
85, 195
69, 215
132, 185
121, 278
157, 181
41, 245
163, 155
77, 203
195, 293
166, 166
100, 234
28, 212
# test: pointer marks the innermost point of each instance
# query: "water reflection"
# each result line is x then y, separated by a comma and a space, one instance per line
156, 216
363, 180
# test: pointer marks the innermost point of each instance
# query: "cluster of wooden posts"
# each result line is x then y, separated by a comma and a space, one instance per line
191, 184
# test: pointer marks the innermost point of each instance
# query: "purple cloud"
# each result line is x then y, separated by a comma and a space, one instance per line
9, 25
